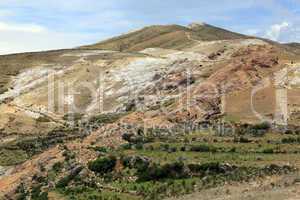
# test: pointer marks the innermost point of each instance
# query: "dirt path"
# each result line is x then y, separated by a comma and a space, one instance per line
275, 188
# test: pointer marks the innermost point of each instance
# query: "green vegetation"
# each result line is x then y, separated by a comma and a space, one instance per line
10, 157
149, 167
89, 193
152, 165
106, 118
291, 140
20, 150
63, 182
103, 165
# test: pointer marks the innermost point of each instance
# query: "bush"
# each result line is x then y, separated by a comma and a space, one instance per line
152, 172
57, 167
172, 149
150, 148
73, 116
156, 172
43, 119
262, 126
106, 118
242, 140
137, 162
175, 170
164, 147
135, 139
289, 132
195, 168
37, 194
68, 155
127, 136
139, 146
268, 151
183, 148
101, 149
62, 183
290, 140
103, 165
126, 146
203, 148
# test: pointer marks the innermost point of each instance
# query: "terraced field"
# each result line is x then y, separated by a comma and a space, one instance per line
160, 166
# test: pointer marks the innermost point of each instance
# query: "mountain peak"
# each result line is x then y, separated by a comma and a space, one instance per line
165, 36
194, 25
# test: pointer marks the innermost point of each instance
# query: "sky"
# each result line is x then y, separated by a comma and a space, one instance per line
34, 25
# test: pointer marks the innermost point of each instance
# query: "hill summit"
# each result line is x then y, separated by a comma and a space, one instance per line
167, 36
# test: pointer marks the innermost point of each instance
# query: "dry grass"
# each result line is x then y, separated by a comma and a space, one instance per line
170, 36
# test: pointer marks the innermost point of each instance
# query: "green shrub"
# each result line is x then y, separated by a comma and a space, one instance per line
203, 148
127, 136
126, 146
43, 119
57, 167
156, 172
183, 148
289, 132
268, 151
172, 149
37, 194
62, 183
137, 162
195, 168
150, 148
106, 118
21, 192
101, 149
73, 116
103, 165
288, 140
68, 155
233, 150
139, 138
262, 126
139, 146
241, 140
164, 147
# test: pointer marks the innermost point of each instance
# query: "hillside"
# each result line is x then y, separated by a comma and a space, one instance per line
168, 36
294, 47
161, 112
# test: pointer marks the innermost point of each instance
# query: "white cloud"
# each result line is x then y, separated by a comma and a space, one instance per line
16, 38
31, 28
276, 30
17, 41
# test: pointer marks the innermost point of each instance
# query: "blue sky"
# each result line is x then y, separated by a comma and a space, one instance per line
32, 25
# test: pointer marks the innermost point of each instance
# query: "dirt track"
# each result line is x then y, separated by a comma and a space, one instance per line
275, 188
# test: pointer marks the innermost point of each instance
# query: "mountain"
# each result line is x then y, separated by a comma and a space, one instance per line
168, 36
159, 112
294, 44
294, 47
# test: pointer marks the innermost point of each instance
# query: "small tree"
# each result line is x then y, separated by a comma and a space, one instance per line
103, 165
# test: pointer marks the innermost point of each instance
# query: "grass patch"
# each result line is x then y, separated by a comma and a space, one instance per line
12, 157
